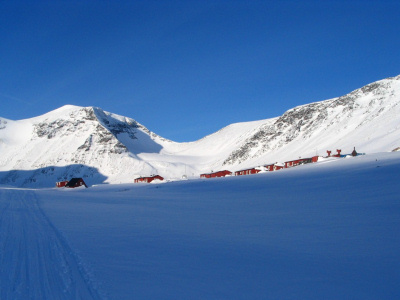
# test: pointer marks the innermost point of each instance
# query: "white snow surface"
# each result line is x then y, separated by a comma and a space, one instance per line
328, 230
100, 146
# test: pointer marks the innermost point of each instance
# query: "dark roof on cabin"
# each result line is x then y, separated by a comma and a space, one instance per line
149, 177
74, 181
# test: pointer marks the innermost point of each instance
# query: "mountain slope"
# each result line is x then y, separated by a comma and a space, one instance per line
100, 146
367, 118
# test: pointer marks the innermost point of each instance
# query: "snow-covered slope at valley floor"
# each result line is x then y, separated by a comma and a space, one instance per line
329, 230
104, 147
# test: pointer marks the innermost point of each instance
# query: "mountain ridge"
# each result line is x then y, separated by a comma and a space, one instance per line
117, 148
318, 112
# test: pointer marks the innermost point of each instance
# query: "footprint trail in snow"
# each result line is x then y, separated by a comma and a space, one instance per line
35, 260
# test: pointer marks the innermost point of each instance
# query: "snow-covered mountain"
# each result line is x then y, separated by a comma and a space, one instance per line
367, 118
104, 147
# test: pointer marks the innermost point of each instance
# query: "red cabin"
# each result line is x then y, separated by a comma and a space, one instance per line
75, 182
148, 179
273, 167
247, 172
301, 161
292, 163
61, 183
216, 174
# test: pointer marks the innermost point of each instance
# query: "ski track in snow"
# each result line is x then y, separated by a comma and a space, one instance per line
36, 262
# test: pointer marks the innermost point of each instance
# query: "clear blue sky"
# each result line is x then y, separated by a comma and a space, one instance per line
186, 69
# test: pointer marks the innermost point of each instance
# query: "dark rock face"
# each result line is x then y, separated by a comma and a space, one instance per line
76, 121
86, 120
116, 126
3, 124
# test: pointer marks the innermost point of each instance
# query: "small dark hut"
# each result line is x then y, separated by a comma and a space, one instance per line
76, 182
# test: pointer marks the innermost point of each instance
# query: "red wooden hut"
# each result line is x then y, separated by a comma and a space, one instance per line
292, 163
216, 174
61, 183
247, 172
300, 161
148, 179
274, 167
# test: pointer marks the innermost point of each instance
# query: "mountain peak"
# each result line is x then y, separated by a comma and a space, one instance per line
61, 111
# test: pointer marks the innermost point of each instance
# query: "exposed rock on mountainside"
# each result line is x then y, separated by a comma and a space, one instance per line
348, 112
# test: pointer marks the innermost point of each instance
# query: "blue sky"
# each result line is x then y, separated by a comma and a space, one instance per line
185, 69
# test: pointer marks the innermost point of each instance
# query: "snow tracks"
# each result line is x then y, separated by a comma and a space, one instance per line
35, 260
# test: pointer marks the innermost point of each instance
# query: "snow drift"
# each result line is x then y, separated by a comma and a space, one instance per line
329, 230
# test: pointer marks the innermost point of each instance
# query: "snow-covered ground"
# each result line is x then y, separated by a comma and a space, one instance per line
329, 230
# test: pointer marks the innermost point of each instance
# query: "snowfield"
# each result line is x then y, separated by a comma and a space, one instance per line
329, 230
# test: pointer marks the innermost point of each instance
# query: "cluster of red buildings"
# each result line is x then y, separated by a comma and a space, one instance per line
278, 166
275, 166
77, 182
73, 183
269, 167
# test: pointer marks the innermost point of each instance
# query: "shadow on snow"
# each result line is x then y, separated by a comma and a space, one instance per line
48, 176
